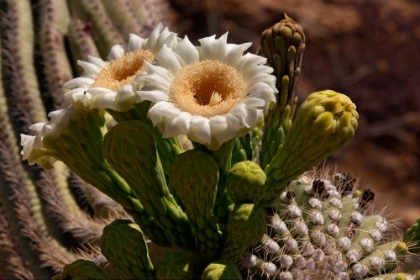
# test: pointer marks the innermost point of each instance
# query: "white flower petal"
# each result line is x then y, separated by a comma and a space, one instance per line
135, 43
234, 56
154, 35
206, 47
162, 110
186, 52
97, 61
79, 82
116, 52
89, 68
219, 48
183, 122
200, 129
249, 61
158, 81
153, 96
166, 58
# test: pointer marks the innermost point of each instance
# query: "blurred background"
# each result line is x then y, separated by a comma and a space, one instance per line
367, 49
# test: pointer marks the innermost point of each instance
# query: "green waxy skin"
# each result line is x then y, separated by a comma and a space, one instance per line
245, 183
124, 246
173, 265
194, 176
221, 270
245, 227
81, 269
324, 123
131, 149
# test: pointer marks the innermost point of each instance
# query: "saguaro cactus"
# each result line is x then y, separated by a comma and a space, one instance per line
235, 201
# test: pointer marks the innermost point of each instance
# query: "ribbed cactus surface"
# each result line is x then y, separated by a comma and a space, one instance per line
160, 159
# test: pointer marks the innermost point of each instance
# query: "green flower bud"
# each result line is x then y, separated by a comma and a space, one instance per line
245, 227
325, 122
412, 235
124, 246
221, 270
81, 269
245, 183
173, 265
194, 176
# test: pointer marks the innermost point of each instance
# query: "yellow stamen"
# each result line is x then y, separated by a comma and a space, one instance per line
122, 70
207, 88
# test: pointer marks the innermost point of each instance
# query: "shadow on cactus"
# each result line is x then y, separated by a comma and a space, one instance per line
239, 203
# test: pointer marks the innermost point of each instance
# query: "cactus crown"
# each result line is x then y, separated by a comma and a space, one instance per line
199, 157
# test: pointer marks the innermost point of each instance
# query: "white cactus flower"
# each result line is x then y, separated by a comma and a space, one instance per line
109, 84
211, 93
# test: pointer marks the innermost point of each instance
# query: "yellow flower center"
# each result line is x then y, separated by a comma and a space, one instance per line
122, 70
207, 88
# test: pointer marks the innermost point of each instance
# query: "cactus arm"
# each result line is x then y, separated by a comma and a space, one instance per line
119, 11
148, 182
283, 46
56, 68
194, 176
81, 43
124, 245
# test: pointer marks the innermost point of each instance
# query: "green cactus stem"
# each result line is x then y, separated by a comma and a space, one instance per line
222, 270
174, 265
283, 46
325, 122
130, 145
124, 245
194, 176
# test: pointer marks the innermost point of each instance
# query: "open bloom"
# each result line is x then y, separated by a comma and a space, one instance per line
211, 93
109, 84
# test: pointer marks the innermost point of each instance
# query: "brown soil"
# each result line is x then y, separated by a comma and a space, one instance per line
367, 49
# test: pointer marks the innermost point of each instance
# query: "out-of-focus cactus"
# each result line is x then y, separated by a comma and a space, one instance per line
237, 204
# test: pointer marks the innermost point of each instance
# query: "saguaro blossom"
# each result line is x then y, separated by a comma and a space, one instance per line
109, 84
211, 93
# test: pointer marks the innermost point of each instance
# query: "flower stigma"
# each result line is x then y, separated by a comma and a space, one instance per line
207, 88
122, 70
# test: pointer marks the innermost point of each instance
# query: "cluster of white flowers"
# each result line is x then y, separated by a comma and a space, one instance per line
211, 94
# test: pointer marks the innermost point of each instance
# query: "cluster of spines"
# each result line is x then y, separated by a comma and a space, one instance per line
323, 230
